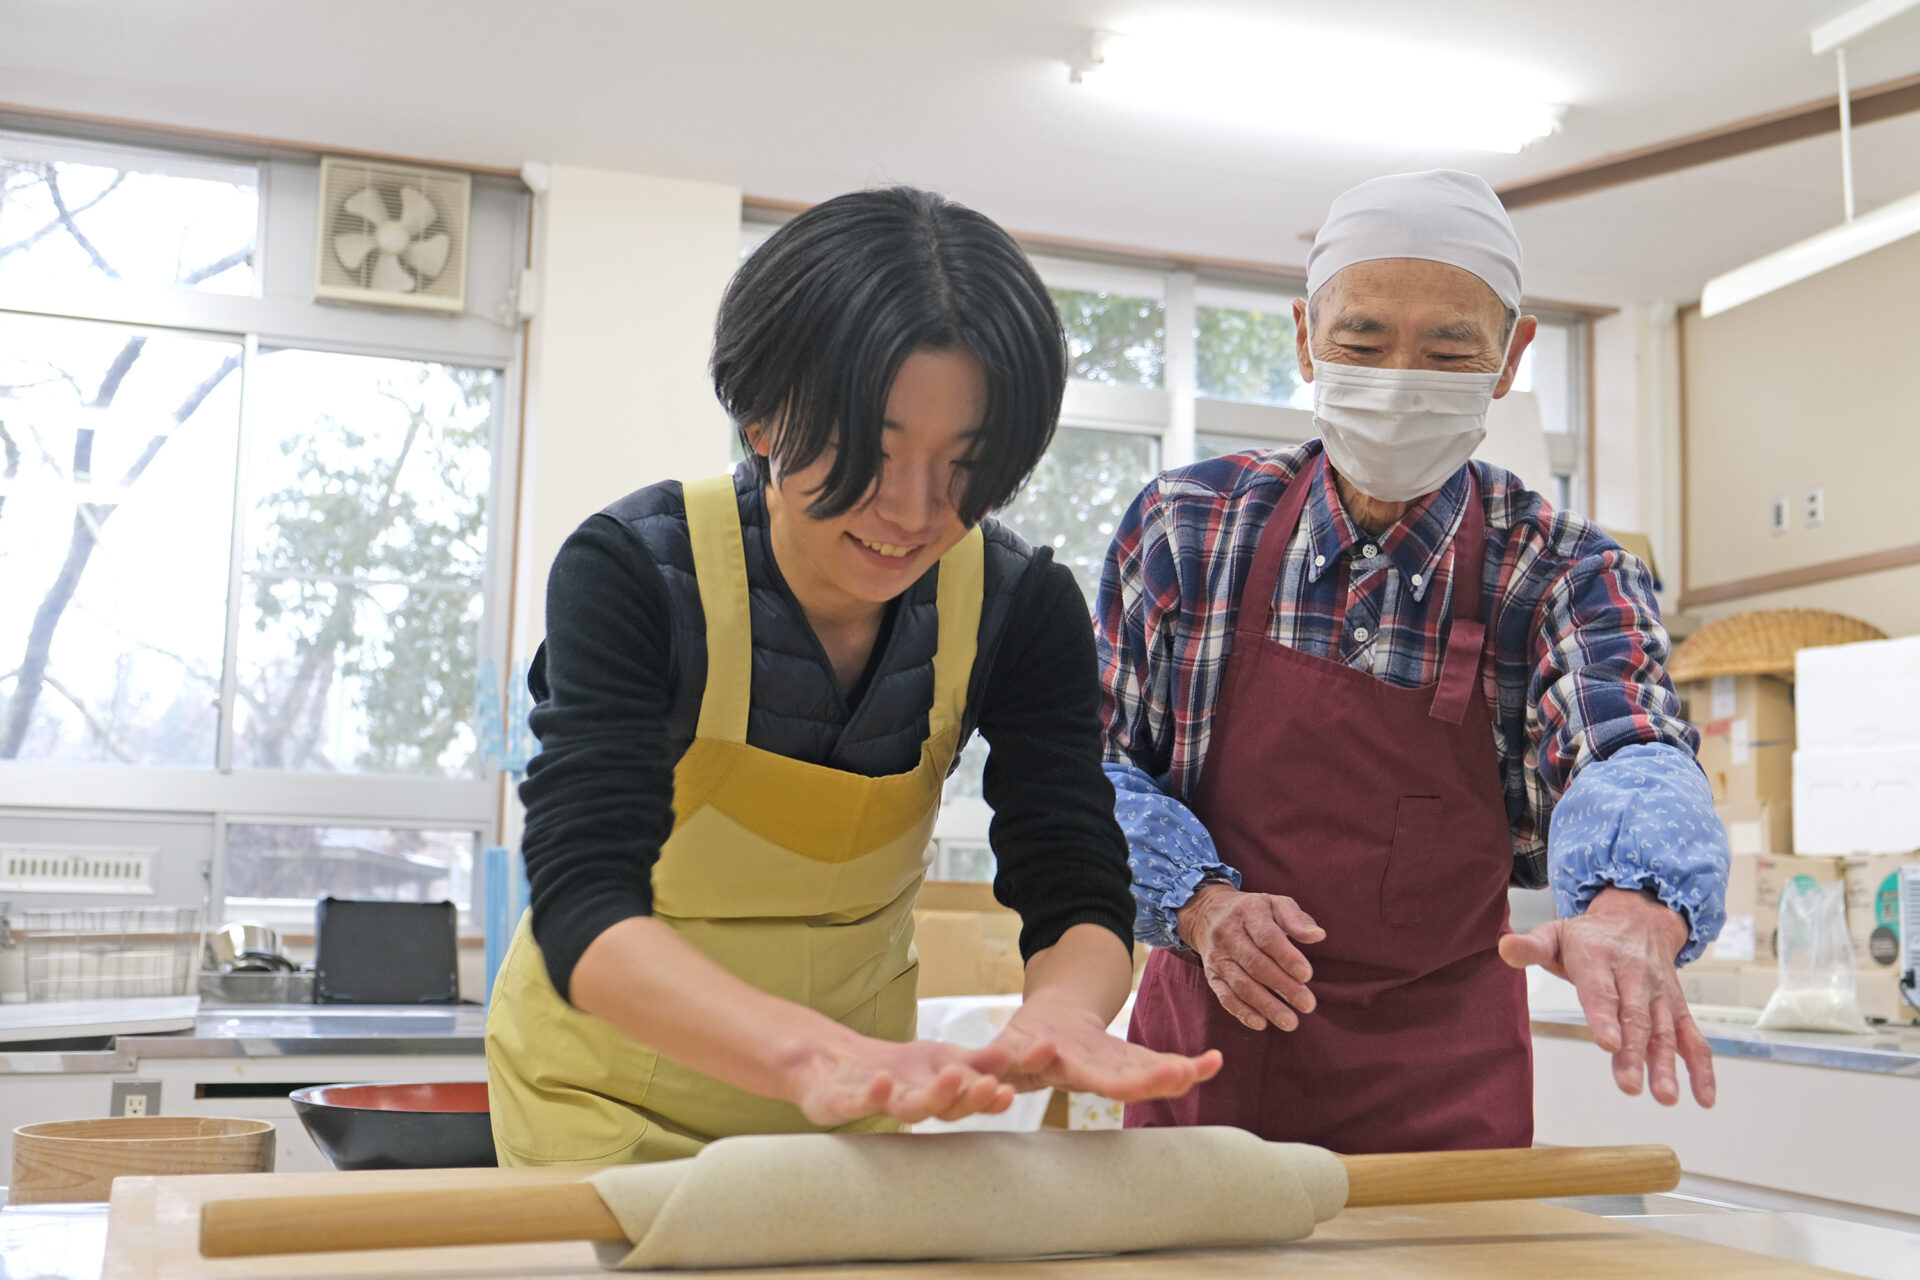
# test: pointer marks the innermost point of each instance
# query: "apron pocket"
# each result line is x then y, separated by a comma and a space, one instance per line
1427, 877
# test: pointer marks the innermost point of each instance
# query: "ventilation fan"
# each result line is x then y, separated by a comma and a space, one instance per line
392, 236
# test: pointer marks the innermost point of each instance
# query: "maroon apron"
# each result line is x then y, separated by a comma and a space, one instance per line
1380, 811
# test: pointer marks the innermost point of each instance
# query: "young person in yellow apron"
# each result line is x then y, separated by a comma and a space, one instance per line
750, 693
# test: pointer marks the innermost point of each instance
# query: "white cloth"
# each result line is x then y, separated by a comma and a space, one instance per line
1441, 215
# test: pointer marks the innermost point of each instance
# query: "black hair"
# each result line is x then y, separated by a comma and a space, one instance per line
817, 322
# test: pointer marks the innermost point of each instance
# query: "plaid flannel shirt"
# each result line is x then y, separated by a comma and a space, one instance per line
1574, 672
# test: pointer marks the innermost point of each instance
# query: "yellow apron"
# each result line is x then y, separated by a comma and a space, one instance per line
798, 878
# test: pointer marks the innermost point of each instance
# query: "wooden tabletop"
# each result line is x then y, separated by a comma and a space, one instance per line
154, 1227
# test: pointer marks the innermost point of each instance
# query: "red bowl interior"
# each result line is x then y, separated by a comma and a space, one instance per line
442, 1095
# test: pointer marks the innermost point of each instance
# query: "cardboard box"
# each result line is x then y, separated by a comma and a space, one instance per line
1772, 874
968, 953
1710, 981
1858, 695
1757, 828
1856, 800
1873, 906
1735, 945
1757, 985
1746, 726
1881, 998
969, 945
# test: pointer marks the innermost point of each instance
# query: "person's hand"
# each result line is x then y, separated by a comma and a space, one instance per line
1054, 1043
1245, 942
921, 1080
1619, 957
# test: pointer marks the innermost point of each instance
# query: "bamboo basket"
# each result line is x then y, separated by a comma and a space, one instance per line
1762, 642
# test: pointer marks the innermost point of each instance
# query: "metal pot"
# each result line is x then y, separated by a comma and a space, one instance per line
244, 946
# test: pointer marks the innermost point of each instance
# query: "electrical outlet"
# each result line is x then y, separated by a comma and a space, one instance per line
135, 1098
1814, 509
1780, 520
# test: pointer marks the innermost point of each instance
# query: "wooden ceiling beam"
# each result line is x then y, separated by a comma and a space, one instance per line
1882, 101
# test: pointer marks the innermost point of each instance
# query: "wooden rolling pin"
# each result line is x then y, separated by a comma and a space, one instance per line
575, 1211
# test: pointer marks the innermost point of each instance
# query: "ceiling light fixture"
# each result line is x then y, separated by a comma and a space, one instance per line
1853, 237
1329, 86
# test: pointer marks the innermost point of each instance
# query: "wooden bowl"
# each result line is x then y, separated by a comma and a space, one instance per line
68, 1161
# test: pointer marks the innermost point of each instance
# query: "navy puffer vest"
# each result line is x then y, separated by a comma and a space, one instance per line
797, 709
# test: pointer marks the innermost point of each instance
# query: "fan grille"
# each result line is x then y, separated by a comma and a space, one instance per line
379, 244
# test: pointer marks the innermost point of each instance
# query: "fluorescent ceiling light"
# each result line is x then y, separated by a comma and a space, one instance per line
1829, 36
1811, 256
1855, 236
1329, 86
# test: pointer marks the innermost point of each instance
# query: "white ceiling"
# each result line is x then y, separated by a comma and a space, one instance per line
799, 101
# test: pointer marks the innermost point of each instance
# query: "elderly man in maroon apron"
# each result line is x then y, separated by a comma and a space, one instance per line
1357, 688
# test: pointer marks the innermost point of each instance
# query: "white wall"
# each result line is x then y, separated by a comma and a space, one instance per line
1635, 434
1810, 386
631, 269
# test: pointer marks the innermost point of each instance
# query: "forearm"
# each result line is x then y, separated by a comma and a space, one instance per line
1089, 968
649, 983
1643, 819
1169, 851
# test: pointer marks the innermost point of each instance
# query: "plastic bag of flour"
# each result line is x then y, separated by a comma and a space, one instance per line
1817, 989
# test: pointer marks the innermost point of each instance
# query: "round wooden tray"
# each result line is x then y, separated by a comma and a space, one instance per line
69, 1161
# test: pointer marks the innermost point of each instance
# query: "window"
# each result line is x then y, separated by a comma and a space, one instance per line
116, 491
365, 563
70, 215
1248, 354
249, 545
277, 872
1078, 494
1114, 338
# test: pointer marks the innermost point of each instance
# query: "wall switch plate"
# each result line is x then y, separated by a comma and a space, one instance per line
135, 1098
1780, 521
1814, 509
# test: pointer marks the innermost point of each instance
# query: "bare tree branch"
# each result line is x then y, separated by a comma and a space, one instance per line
28, 242
93, 722
187, 409
217, 266
67, 216
33, 665
110, 382
11, 452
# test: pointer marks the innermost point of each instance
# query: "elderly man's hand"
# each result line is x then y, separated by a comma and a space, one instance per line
1246, 944
1619, 957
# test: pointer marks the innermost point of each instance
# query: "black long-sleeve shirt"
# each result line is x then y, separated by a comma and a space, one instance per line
599, 795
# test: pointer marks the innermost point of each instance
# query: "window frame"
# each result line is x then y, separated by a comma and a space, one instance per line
284, 245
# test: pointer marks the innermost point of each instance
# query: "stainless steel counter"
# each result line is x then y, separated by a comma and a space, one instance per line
1888, 1050
272, 1031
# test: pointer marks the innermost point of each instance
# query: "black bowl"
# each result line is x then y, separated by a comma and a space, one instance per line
400, 1125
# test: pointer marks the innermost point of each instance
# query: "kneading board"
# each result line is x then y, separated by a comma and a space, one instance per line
154, 1229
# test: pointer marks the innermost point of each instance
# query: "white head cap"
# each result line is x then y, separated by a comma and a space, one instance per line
1441, 215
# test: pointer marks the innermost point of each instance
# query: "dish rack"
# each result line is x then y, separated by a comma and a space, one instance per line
110, 953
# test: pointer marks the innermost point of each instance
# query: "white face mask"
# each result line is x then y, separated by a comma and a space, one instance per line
1399, 434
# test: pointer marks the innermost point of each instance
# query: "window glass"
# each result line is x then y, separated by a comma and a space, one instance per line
117, 452
1546, 370
1073, 503
1249, 355
1078, 494
366, 538
70, 215
1213, 446
1113, 338
276, 871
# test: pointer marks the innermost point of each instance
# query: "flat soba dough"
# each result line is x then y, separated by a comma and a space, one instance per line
815, 1198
